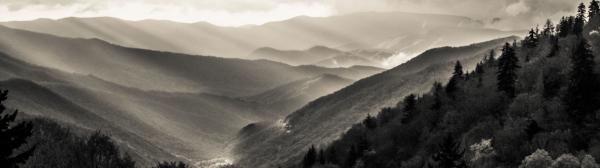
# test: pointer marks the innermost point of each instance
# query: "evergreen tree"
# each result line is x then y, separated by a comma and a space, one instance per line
479, 69
555, 47
100, 151
370, 122
581, 97
437, 96
322, 158
458, 70
332, 156
449, 154
548, 29
565, 27
507, 67
531, 41
310, 158
12, 137
166, 164
594, 9
351, 157
456, 76
579, 20
410, 102
491, 59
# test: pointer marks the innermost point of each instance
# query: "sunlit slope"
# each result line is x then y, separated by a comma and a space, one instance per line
324, 119
159, 71
157, 124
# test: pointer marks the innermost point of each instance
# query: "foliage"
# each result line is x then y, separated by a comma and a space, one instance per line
166, 164
12, 137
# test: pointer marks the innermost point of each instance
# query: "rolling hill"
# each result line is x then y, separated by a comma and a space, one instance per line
324, 56
162, 105
159, 71
399, 32
323, 120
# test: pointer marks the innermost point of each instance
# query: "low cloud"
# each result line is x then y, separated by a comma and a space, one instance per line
514, 14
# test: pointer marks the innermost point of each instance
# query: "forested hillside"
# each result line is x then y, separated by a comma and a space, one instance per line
535, 106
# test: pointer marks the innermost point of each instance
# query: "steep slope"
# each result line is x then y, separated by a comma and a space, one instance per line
401, 32
160, 71
326, 118
289, 97
37, 101
157, 125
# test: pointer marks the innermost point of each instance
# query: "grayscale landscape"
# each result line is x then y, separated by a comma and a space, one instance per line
299, 84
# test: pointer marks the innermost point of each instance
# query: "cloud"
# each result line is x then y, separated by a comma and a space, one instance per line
517, 8
514, 14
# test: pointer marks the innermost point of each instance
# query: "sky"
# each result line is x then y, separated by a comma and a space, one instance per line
502, 14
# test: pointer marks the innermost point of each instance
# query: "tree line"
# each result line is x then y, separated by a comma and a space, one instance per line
535, 105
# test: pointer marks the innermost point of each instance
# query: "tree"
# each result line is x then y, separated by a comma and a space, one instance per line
351, 157
166, 164
310, 158
410, 102
581, 97
456, 76
12, 137
99, 151
538, 159
555, 47
548, 29
579, 20
594, 9
531, 41
507, 67
565, 26
437, 96
449, 154
491, 59
370, 122
332, 155
322, 159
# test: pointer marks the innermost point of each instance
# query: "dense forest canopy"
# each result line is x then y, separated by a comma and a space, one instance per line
534, 105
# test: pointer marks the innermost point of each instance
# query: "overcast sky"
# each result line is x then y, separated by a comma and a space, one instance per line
504, 14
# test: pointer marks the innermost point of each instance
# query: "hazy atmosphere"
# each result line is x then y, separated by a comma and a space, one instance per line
506, 14
299, 84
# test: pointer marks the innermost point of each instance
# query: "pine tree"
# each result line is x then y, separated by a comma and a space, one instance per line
449, 155
565, 27
579, 20
322, 158
12, 137
491, 59
310, 158
555, 47
370, 122
351, 157
166, 164
594, 9
582, 93
332, 156
437, 96
410, 102
548, 29
458, 70
531, 41
507, 67
457, 75
479, 69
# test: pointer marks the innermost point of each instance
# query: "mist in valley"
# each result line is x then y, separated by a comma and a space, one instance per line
299, 83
